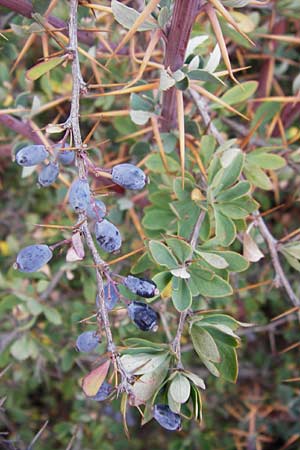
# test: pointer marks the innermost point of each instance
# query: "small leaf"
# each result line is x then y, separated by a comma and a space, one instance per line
52, 315
92, 382
240, 93
239, 190
195, 379
126, 17
257, 176
266, 160
180, 389
24, 348
43, 67
228, 367
181, 294
181, 249
162, 255
147, 385
214, 260
225, 229
181, 272
140, 117
251, 250
204, 344
78, 244
142, 362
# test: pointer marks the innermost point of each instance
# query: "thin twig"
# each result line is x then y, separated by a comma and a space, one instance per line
72, 122
176, 344
280, 275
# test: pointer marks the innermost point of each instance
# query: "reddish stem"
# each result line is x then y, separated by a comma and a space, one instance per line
183, 18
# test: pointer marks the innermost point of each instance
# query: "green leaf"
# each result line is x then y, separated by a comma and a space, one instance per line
218, 335
203, 75
162, 279
236, 262
154, 163
225, 229
293, 262
52, 315
204, 345
228, 367
162, 255
126, 17
159, 219
257, 176
149, 383
143, 263
181, 249
214, 260
229, 174
24, 348
43, 67
232, 210
266, 160
239, 190
292, 249
240, 93
181, 294
217, 287
174, 406
180, 389
220, 319
143, 362
195, 379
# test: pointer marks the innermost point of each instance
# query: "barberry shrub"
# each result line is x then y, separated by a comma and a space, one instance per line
144, 332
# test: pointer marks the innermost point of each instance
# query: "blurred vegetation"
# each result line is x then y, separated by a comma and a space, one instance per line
43, 313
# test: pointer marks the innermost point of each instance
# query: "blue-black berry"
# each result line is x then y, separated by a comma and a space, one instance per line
111, 296
96, 210
79, 196
87, 341
143, 316
33, 257
166, 417
66, 157
129, 176
103, 393
140, 286
108, 236
31, 155
48, 174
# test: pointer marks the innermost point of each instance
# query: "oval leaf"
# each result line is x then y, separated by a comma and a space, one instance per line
92, 382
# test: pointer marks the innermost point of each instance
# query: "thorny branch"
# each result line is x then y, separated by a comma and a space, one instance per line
72, 122
260, 223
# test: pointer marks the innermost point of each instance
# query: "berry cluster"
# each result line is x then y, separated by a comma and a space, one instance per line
109, 239
33, 155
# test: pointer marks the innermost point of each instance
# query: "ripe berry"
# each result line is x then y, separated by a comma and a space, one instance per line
129, 176
31, 155
66, 157
166, 417
48, 174
96, 210
108, 236
143, 316
79, 196
33, 257
103, 393
140, 286
87, 341
111, 296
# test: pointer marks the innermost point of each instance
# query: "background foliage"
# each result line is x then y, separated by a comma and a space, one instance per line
42, 314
